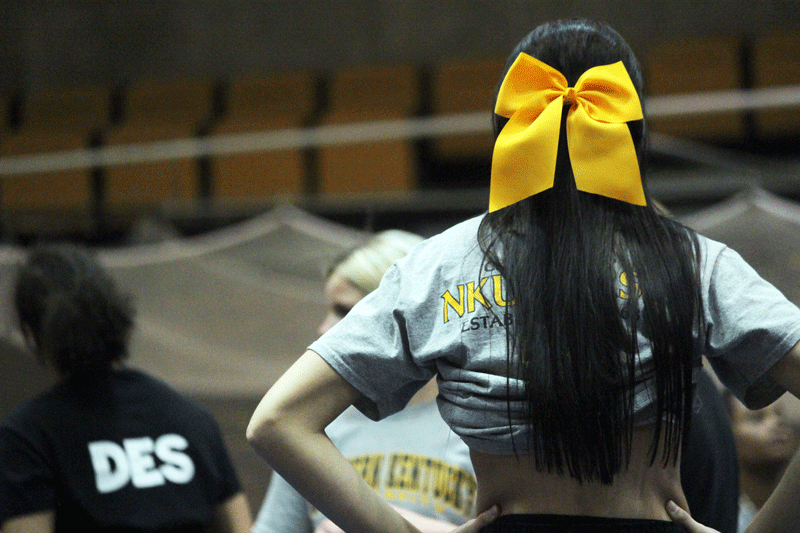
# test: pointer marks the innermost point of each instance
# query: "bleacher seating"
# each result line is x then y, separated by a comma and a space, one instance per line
464, 86
53, 119
63, 119
257, 102
693, 65
362, 94
776, 62
152, 111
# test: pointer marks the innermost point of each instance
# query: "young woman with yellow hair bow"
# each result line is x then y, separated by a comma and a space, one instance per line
564, 326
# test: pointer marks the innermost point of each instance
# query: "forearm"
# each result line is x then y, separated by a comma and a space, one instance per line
287, 430
43, 522
233, 515
313, 466
781, 512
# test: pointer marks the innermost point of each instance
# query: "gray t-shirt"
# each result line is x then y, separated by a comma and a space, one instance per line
439, 310
411, 459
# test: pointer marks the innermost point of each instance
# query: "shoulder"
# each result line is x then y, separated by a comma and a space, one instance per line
709, 248
460, 237
134, 379
444, 253
719, 262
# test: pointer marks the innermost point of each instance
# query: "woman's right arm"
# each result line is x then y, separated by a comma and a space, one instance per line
781, 512
232, 515
287, 430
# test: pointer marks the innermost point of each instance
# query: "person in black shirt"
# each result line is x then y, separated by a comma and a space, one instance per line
108, 448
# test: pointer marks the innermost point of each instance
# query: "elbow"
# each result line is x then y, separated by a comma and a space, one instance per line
263, 432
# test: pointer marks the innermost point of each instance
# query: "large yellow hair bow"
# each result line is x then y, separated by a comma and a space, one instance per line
601, 150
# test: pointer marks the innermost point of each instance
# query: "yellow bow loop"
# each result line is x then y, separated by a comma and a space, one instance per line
604, 162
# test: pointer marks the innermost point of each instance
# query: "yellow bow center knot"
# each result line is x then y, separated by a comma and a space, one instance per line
571, 95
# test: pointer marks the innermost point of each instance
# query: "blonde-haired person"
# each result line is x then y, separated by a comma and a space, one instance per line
564, 326
358, 272
411, 459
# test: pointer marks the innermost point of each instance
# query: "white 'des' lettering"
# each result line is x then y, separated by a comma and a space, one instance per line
135, 462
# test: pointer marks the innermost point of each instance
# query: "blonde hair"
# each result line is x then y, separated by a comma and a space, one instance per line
365, 265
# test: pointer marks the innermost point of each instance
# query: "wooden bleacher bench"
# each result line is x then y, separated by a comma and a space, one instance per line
464, 86
156, 110
361, 94
258, 102
53, 119
775, 62
692, 65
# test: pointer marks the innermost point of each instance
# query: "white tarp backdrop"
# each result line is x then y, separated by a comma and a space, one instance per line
220, 314
764, 229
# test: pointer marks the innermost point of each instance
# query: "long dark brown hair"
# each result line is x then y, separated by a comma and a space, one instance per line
574, 339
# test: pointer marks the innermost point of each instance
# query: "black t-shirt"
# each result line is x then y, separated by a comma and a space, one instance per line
126, 454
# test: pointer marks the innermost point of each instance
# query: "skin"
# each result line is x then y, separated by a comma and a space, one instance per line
340, 296
44, 521
231, 516
765, 444
287, 430
513, 483
763, 436
781, 511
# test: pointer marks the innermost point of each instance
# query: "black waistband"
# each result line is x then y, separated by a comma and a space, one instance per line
545, 523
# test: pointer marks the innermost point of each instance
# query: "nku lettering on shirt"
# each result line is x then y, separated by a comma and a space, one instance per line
470, 294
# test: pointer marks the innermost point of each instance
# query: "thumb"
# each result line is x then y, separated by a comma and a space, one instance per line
683, 518
676, 513
477, 523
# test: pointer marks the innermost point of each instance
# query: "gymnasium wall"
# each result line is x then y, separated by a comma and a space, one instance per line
63, 42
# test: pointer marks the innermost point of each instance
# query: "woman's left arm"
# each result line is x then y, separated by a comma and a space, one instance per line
288, 430
781, 512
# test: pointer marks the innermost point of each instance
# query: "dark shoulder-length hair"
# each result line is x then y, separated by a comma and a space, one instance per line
588, 275
69, 306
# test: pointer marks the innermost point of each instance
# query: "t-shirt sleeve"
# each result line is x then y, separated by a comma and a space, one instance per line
26, 478
284, 510
370, 348
750, 325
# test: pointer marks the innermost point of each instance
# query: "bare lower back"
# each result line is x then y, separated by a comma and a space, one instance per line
639, 492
